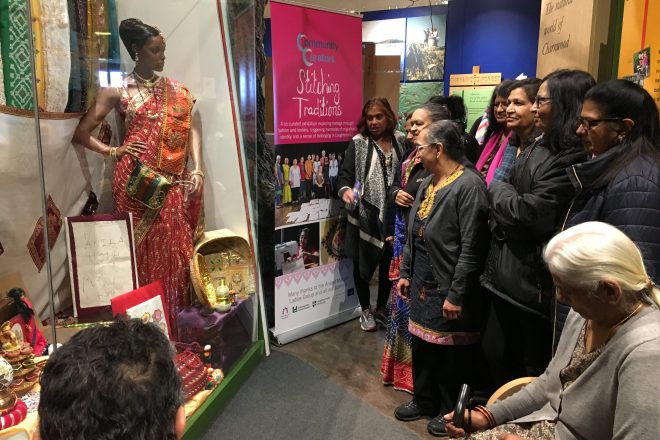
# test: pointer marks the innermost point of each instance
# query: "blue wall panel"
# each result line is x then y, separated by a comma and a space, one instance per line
498, 35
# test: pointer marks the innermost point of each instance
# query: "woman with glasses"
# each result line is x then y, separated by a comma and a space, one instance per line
496, 139
526, 210
620, 185
396, 365
372, 158
443, 256
602, 379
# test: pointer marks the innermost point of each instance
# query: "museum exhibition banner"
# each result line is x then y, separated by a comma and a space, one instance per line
570, 35
317, 101
317, 74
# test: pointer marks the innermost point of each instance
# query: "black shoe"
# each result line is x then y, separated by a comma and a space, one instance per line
408, 412
436, 427
381, 318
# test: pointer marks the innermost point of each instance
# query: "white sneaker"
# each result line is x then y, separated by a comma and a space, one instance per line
367, 322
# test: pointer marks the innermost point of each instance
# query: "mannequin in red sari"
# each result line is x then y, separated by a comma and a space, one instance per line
160, 133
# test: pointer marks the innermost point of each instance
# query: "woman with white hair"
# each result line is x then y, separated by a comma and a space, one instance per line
602, 379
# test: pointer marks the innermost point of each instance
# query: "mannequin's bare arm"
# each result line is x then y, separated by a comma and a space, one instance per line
106, 100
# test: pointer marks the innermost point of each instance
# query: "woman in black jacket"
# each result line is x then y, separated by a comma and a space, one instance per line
526, 211
443, 256
620, 185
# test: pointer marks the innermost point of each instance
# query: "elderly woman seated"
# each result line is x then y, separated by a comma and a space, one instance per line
603, 381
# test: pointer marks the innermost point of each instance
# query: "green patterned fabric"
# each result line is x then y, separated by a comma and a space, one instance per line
14, 34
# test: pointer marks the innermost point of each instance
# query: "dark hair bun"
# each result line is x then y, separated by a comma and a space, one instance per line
133, 32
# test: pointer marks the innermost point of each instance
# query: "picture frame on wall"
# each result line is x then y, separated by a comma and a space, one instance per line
389, 37
425, 48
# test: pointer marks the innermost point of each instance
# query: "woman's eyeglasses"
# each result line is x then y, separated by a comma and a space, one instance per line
419, 147
541, 100
589, 124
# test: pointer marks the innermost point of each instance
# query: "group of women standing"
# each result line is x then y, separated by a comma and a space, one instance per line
558, 151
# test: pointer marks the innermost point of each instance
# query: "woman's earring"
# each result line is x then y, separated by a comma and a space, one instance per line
137, 57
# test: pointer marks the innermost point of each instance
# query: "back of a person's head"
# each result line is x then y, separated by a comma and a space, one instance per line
623, 99
456, 107
587, 254
566, 89
115, 382
436, 112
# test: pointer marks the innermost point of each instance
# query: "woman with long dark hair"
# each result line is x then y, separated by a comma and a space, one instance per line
496, 139
371, 159
621, 185
526, 210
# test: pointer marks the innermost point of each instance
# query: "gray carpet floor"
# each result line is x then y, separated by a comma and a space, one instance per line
286, 398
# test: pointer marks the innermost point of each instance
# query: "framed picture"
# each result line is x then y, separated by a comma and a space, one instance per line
101, 261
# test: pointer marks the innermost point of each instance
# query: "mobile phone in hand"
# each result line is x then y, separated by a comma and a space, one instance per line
461, 404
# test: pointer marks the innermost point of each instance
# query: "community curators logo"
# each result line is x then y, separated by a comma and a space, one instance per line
309, 58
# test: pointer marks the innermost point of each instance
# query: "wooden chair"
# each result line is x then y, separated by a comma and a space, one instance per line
510, 388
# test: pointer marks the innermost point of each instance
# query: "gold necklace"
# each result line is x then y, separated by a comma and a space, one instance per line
147, 83
432, 189
138, 79
612, 330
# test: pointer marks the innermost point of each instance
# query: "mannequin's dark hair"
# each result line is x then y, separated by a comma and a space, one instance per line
623, 99
566, 89
134, 32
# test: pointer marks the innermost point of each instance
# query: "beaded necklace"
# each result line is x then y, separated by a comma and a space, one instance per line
427, 203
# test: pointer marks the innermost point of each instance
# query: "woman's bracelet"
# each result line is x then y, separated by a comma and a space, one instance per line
199, 173
113, 153
488, 415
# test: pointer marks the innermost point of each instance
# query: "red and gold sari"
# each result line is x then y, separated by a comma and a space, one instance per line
161, 119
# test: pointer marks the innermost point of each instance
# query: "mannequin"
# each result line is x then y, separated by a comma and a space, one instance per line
161, 135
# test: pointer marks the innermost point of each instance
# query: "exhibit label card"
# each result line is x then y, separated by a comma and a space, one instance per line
317, 74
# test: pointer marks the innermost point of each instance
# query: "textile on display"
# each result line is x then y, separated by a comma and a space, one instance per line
57, 53
39, 61
14, 34
70, 172
160, 117
36, 243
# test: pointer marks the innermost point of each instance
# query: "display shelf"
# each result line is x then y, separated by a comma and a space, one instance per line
200, 422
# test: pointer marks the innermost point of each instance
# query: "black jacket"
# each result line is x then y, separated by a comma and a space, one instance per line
630, 201
526, 211
456, 238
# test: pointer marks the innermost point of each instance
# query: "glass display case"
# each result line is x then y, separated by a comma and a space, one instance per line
126, 186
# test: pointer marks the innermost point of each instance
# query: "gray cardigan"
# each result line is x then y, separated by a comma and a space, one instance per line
616, 397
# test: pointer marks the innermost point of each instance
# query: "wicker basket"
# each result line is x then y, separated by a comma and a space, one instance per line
221, 254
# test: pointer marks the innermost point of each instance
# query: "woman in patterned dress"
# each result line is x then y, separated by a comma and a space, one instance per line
161, 134
396, 365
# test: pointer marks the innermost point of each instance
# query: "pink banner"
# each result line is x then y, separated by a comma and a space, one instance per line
317, 74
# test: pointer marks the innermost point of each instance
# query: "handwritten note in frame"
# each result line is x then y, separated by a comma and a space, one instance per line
101, 260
